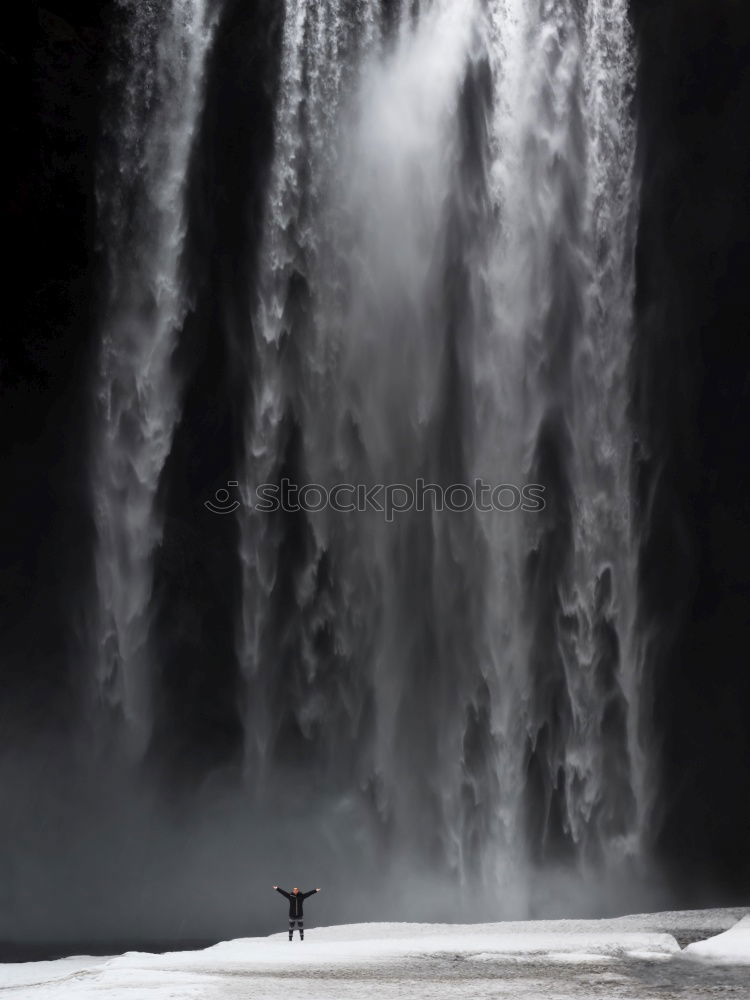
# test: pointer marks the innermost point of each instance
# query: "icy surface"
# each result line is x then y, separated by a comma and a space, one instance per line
631, 957
731, 946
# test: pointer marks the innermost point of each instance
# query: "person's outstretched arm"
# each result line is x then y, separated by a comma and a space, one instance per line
281, 891
310, 893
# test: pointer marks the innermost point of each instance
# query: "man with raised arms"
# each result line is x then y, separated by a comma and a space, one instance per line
296, 900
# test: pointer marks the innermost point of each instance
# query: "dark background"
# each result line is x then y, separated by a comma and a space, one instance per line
691, 392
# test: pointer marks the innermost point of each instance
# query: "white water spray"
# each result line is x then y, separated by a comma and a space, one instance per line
144, 225
446, 292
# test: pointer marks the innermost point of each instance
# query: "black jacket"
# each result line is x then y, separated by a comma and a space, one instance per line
295, 902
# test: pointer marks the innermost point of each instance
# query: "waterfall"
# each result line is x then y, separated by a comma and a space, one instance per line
443, 295
445, 292
141, 187
568, 269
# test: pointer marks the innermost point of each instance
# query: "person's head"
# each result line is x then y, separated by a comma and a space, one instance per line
295, 890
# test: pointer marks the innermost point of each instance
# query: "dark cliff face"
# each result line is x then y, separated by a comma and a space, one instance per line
51, 63
692, 406
690, 377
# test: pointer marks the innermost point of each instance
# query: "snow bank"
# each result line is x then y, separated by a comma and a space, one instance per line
377, 942
388, 960
731, 946
37, 974
355, 949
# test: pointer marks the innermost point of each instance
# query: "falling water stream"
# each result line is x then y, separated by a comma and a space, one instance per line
444, 292
144, 225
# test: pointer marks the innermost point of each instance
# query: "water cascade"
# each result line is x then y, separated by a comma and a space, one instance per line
143, 226
444, 293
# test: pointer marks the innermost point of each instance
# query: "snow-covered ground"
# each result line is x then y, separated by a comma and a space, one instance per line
635, 957
732, 945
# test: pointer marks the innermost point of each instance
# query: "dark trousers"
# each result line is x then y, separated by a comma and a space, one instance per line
300, 927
